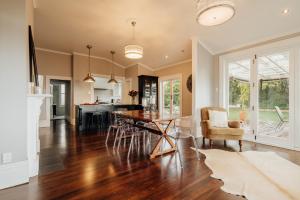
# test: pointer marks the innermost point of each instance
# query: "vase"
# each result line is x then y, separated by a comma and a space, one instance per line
133, 99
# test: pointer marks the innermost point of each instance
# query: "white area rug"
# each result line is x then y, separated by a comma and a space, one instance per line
255, 175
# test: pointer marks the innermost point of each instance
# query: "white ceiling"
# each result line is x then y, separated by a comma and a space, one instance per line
164, 27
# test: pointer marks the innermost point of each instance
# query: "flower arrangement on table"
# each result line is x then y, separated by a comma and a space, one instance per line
133, 94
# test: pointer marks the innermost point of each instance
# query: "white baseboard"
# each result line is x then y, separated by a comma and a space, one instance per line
44, 123
13, 174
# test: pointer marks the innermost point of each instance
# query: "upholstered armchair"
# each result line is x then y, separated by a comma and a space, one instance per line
232, 132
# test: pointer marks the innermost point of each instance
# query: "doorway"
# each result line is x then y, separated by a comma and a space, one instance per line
60, 103
170, 95
259, 92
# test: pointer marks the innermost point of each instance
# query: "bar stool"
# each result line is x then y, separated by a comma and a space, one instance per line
89, 120
99, 119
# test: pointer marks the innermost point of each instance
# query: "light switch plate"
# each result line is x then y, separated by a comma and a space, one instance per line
6, 157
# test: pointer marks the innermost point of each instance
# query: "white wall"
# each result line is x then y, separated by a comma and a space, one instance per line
203, 81
13, 82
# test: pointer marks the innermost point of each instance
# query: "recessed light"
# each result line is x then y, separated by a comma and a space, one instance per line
286, 11
166, 57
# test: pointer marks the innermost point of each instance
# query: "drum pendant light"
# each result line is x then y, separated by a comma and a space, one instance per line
133, 51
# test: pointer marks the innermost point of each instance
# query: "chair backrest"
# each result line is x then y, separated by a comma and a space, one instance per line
279, 113
204, 112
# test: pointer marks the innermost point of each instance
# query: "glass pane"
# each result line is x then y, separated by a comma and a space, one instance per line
176, 98
273, 92
62, 88
239, 93
147, 89
166, 97
62, 99
176, 105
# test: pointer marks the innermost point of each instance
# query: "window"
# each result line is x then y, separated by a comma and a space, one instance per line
62, 95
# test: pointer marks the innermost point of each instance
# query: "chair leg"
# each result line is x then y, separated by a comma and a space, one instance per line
177, 150
108, 132
203, 141
122, 135
130, 146
210, 143
116, 136
240, 143
196, 147
225, 143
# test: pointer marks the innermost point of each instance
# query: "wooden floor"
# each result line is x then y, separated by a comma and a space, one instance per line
83, 167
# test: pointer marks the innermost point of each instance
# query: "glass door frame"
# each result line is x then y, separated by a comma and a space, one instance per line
293, 47
272, 140
161, 92
247, 137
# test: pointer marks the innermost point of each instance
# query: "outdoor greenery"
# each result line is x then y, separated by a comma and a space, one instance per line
264, 115
176, 95
271, 93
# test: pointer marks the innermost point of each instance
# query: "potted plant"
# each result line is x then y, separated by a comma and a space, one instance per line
133, 94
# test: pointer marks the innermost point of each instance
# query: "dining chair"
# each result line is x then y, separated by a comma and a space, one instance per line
183, 129
114, 128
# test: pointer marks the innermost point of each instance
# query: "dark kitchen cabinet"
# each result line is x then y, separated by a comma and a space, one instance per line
148, 87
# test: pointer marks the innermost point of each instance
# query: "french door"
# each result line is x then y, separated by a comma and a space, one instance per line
170, 92
260, 94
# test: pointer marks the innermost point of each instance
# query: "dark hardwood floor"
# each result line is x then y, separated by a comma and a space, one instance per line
83, 167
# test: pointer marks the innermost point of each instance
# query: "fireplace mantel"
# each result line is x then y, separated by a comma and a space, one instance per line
34, 102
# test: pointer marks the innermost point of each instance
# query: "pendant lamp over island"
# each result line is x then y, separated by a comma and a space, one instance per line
112, 79
89, 78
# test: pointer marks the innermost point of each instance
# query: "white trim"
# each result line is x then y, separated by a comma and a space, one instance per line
47, 85
13, 174
206, 47
115, 63
172, 65
140, 64
260, 42
53, 51
146, 67
100, 58
45, 122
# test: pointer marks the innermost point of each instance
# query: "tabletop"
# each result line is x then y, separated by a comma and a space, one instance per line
145, 116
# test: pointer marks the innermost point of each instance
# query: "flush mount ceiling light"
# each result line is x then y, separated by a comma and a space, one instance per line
89, 78
112, 79
214, 12
133, 51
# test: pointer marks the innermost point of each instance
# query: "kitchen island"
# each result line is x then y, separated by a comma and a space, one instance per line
93, 116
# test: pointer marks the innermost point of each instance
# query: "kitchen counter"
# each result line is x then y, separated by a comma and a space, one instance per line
81, 110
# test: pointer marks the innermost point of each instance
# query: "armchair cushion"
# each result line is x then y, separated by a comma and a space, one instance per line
218, 119
226, 131
234, 124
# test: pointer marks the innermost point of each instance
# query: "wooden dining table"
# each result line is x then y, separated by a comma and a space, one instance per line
161, 125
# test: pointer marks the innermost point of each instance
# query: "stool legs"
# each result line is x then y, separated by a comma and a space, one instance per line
116, 136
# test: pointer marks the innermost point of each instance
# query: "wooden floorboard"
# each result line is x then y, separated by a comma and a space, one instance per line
76, 166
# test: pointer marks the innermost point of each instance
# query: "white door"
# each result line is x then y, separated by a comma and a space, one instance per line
170, 93
239, 94
275, 97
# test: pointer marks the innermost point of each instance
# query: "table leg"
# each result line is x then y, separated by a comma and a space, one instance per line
156, 150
